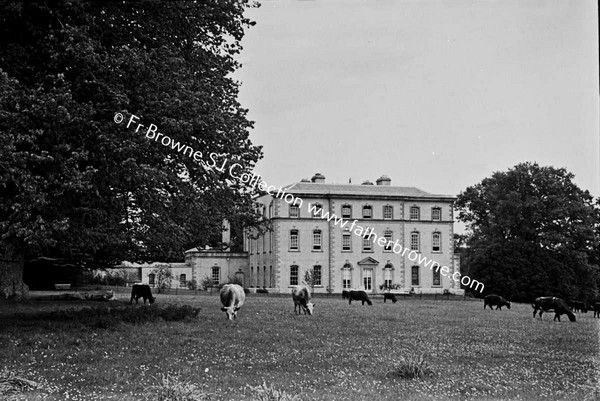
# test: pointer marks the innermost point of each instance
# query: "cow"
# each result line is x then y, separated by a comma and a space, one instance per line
495, 300
559, 306
387, 295
596, 308
232, 299
578, 306
302, 300
345, 294
141, 291
359, 296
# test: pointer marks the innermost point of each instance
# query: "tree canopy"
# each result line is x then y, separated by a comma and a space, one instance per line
532, 232
75, 184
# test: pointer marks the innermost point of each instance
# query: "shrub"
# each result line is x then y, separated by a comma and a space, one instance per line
192, 285
262, 291
412, 368
171, 388
268, 393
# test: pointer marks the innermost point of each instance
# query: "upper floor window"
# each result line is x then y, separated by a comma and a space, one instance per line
436, 213
318, 210
317, 240
367, 212
317, 275
294, 211
415, 275
388, 212
294, 241
367, 244
216, 275
389, 239
415, 241
415, 213
346, 242
182, 281
347, 211
436, 242
293, 275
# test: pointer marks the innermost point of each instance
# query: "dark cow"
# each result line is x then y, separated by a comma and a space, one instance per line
359, 296
578, 306
141, 291
596, 308
345, 294
387, 295
232, 298
559, 306
302, 300
495, 300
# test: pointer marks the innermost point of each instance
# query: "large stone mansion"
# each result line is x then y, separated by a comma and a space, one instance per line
300, 241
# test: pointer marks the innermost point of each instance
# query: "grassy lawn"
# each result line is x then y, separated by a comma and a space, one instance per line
343, 352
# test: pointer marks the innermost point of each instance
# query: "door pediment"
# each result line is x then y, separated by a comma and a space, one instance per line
368, 261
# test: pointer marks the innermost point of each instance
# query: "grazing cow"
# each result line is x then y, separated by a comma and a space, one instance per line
560, 307
578, 306
302, 300
359, 296
141, 291
232, 298
387, 295
345, 294
595, 306
495, 300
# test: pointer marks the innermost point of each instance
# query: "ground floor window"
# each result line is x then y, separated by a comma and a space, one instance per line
346, 277
294, 275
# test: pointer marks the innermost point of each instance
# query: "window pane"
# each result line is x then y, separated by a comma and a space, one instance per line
389, 237
436, 277
367, 243
346, 242
294, 275
346, 211
317, 274
388, 212
436, 213
151, 279
367, 212
316, 240
294, 211
414, 213
436, 242
294, 240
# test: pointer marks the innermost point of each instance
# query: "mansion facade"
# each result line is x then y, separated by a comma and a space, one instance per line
300, 241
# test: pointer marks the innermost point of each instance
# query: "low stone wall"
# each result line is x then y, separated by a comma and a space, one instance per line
11, 278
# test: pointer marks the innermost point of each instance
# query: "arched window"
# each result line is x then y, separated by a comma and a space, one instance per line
388, 212
415, 241
387, 275
415, 213
293, 275
216, 275
294, 240
415, 275
436, 242
347, 211
347, 277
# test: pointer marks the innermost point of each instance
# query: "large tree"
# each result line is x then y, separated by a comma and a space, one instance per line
532, 232
73, 183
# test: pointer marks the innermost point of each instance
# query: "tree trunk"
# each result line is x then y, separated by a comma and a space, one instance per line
11, 278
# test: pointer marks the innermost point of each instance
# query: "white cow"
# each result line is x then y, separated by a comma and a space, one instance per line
302, 300
232, 298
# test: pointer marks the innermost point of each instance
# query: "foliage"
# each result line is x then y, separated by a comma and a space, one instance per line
311, 279
207, 283
531, 233
386, 287
163, 276
170, 388
11, 383
192, 284
262, 291
270, 393
412, 368
72, 182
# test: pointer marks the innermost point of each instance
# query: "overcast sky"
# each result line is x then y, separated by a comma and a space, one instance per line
435, 94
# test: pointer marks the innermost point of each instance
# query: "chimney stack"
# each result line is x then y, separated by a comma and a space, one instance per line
318, 178
384, 180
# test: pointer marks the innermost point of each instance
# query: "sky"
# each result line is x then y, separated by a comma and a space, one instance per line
435, 94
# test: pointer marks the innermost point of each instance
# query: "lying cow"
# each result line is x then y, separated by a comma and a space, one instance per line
345, 294
387, 295
232, 298
495, 300
559, 306
359, 296
302, 300
141, 291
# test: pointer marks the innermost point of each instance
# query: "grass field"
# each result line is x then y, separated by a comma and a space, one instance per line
343, 352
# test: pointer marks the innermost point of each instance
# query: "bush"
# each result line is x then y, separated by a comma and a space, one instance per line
262, 291
192, 285
171, 388
268, 393
412, 368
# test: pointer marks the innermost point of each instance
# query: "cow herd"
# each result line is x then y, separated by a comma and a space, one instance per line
233, 297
